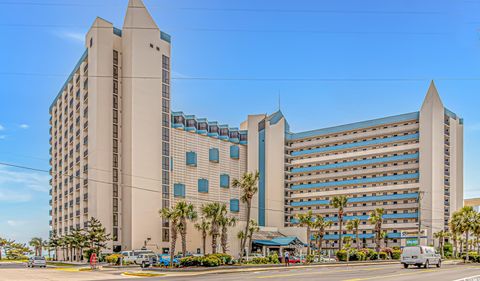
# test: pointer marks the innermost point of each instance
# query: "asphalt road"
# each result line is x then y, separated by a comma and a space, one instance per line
392, 272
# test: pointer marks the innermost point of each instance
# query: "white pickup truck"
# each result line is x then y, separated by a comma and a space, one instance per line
131, 256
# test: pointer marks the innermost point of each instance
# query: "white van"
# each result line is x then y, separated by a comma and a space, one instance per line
420, 256
131, 256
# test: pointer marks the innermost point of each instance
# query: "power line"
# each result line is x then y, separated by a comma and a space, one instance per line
258, 79
312, 11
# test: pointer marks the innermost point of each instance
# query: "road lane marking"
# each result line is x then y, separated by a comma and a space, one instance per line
316, 272
411, 273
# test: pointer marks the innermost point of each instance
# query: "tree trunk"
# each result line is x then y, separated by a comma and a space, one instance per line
466, 242
308, 240
244, 239
214, 243
224, 240
183, 235
357, 239
173, 237
340, 233
320, 240
204, 242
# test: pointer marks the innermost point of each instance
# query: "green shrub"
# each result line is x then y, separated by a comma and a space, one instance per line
310, 259
273, 258
472, 256
383, 255
260, 260
342, 255
373, 255
113, 258
448, 250
355, 255
211, 261
396, 254
224, 258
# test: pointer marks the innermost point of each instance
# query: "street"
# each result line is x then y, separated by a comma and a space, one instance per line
343, 273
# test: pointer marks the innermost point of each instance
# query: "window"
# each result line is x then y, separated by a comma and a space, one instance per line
213, 155
179, 190
115, 57
165, 234
91, 42
165, 91
115, 131
165, 148
166, 120
191, 158
165, 76
203, 185
224, 181
234, 205
115, 101
234, 152
165, 106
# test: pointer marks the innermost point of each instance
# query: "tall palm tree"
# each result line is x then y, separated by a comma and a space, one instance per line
353, 225
339, 202
376, 219
441, 235
248, 189
185, 212
454, 226
204, 227
320, 224
306, 220
214, 212
37, 244
225, 223
467, 222
172, 217
476, 231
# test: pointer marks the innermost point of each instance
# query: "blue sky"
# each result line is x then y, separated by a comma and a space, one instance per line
382, 53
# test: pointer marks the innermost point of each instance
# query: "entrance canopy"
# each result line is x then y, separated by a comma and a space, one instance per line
287, 241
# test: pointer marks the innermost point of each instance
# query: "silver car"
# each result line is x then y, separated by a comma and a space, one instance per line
37, 261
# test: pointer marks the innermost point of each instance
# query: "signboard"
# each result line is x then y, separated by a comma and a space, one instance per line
412, 241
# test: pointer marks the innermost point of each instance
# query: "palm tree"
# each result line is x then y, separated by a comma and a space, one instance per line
476, 231
320, 224
204, 227
441, 235
214, 212
353, 225
454, 225
339, 202
61, 244
251, 230
384, 238
248, 189
185, 212
37, 244
172, 217
467, 222
376, 219
306, 220
225, 223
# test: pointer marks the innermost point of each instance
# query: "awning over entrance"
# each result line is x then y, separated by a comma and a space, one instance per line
280, 241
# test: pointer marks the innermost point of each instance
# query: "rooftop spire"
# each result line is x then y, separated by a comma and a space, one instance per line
432, 96
137, 16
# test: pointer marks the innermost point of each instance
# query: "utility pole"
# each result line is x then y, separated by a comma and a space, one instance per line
420, 196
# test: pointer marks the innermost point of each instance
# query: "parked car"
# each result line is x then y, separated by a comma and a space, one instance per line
294, 259
37, 261
164, 260
146, 260
420, 256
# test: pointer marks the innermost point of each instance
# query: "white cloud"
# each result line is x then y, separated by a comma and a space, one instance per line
1, 127
32, 180
2, 137
70, 35
24, 126
15, 222
14, 196
473, 127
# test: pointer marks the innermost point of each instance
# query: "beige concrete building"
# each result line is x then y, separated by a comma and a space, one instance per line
474, 202
119, 154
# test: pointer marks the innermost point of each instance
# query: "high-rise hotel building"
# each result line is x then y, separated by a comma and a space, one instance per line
120, 154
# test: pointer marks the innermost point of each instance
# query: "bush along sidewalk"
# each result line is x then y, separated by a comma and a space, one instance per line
351, 254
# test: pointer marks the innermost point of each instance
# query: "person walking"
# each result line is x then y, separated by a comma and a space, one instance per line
287, 258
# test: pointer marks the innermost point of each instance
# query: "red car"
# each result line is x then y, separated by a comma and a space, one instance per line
294, 260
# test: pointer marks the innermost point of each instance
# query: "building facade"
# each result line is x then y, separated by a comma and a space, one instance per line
119, 154
474, 202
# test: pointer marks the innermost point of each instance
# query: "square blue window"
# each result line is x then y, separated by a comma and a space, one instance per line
213, 155
234, 205
203, 185
179, 190
192, 158
234, 152
224, 180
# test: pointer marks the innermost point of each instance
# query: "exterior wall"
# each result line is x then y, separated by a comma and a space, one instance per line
374, 163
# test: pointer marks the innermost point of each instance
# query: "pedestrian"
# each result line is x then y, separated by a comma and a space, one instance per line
287, 258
